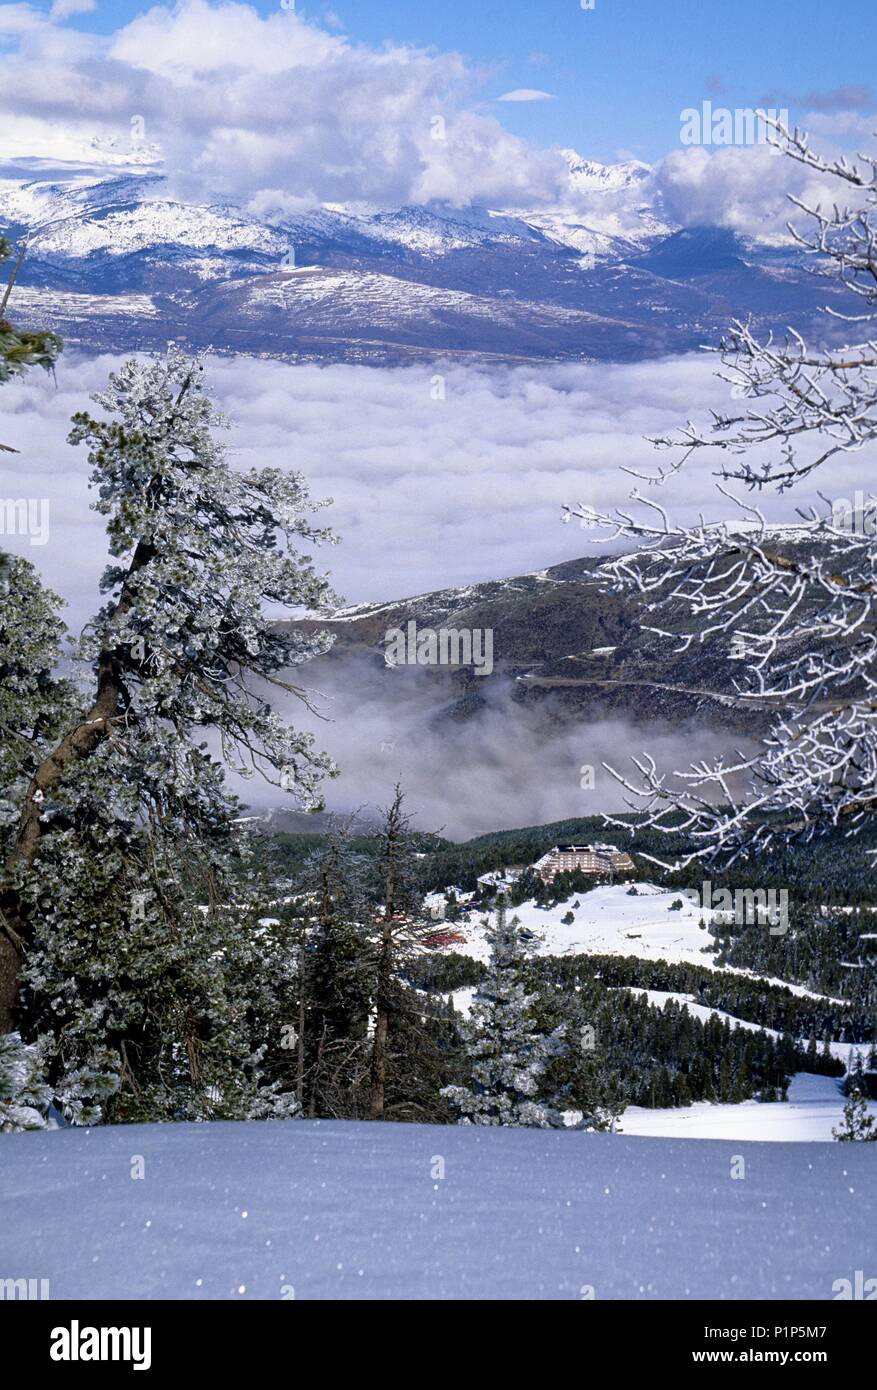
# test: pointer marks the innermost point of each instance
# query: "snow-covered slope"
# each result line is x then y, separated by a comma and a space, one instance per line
620, 201
610, 921
335, 1210
439, 229
314, 303
588, 176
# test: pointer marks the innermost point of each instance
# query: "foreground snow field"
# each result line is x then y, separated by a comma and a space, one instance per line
347, 1210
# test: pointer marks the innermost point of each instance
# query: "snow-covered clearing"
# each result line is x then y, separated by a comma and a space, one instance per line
610, 921
347, 1210
814, 1108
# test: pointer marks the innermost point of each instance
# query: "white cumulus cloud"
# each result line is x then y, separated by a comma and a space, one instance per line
239, 102
743, 187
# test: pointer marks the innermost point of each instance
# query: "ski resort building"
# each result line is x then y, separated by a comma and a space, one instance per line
585, 859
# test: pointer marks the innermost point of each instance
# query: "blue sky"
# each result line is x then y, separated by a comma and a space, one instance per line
390, 103
622, 72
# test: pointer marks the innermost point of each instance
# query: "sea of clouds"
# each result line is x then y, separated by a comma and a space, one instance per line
427, 493
510, 765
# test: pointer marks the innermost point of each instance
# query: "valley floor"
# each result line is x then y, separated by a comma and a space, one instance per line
347, 1210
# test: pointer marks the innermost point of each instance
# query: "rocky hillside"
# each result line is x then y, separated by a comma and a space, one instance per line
565, 643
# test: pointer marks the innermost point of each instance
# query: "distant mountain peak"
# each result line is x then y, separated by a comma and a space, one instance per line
587, 175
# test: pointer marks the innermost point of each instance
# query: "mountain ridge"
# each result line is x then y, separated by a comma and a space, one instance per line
563, 642
116, 262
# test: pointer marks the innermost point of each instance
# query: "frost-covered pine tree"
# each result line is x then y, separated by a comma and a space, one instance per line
335, 982
370, 1044
124, 888
24, 1094
506, 1052
394, 931
798, 624
859, 1124
34, 701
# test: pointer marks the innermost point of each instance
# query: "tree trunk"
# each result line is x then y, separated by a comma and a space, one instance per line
300, 1056
392, 835
382, 1022
10, 964
316, 1076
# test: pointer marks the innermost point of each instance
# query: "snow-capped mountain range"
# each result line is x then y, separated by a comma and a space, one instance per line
115, 260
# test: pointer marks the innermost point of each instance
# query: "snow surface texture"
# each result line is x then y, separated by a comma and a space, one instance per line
345, 1210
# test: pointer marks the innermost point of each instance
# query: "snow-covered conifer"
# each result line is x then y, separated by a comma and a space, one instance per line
24, 1093
124, 893
506, 1052
858, 1123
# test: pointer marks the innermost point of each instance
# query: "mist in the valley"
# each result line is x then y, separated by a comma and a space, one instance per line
509, 764
427, 495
